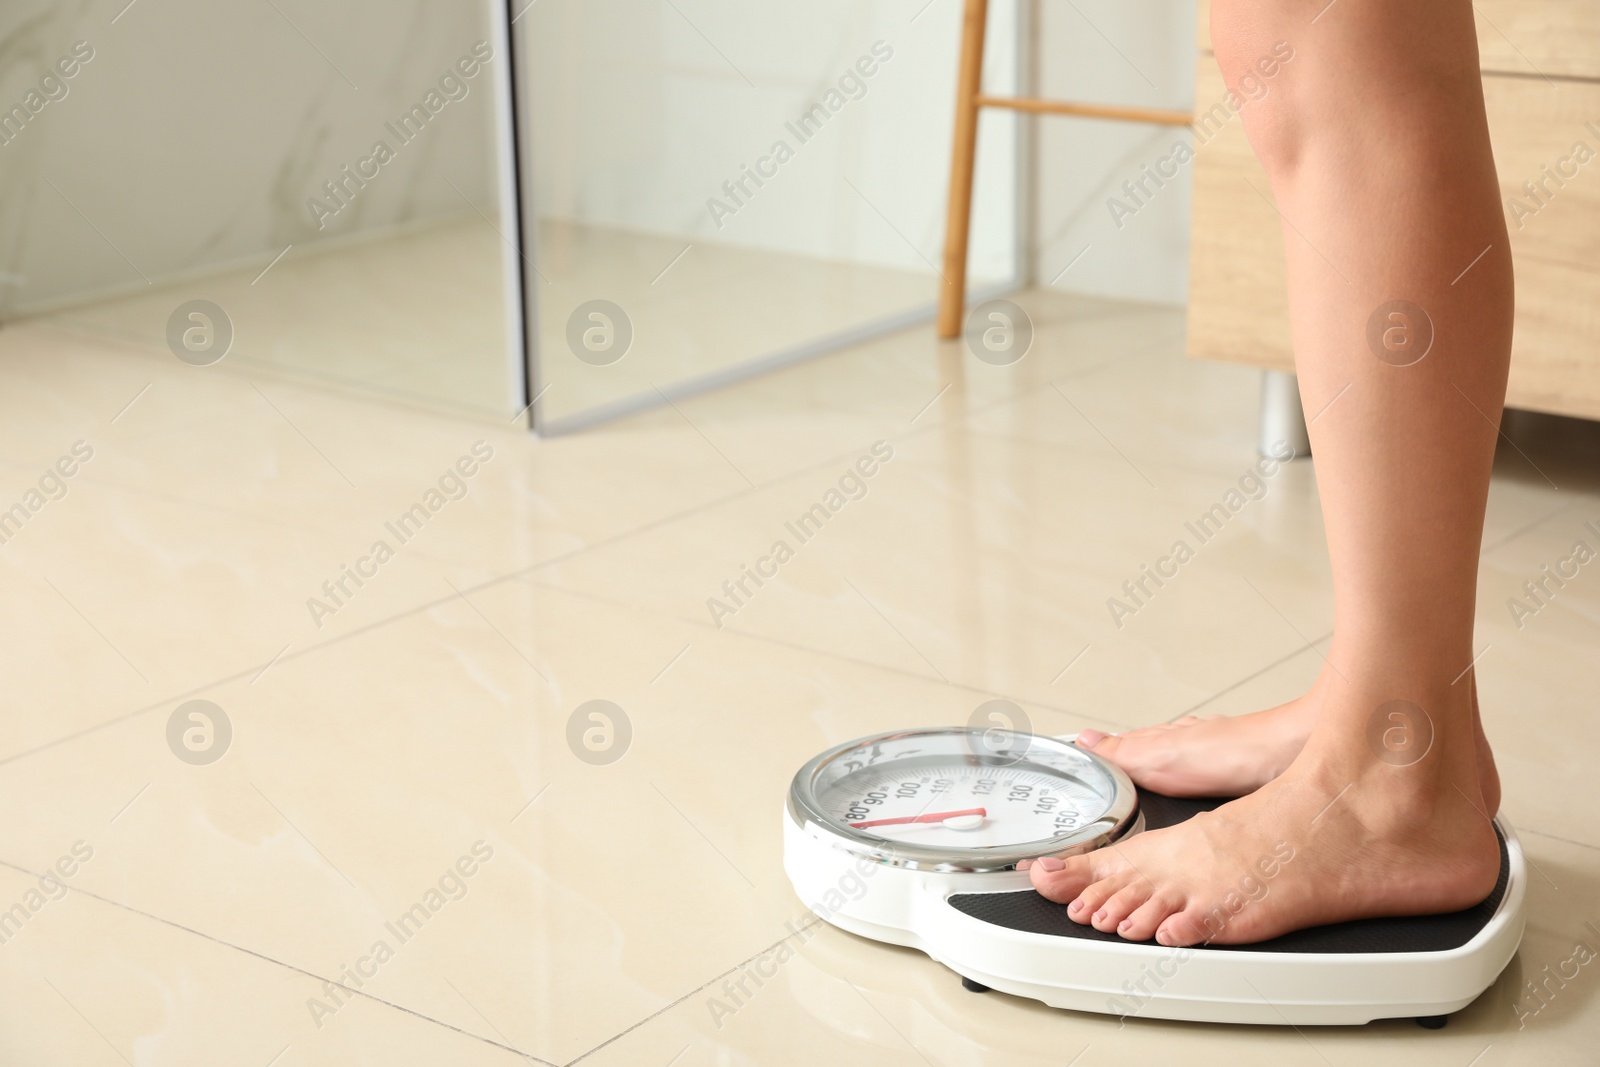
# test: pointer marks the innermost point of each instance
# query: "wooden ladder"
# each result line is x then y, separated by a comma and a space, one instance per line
964, 146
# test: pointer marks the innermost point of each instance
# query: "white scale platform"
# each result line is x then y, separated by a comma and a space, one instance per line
952, 890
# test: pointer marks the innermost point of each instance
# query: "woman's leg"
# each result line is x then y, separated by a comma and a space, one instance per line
1375, 141
1231, 755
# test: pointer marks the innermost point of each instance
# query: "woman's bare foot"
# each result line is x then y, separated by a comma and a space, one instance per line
1218, 756
1231, 755
1343, 834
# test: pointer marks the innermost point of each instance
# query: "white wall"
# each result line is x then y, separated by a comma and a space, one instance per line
199, 129
642, 109
1130, 52
196, 134
639, 120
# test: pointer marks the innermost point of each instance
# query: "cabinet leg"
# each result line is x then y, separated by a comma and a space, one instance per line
1283, 420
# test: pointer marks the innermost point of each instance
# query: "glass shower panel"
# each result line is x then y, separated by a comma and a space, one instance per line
721, 187
306, 188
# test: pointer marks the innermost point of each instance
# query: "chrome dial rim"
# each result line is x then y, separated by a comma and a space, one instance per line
1003, 750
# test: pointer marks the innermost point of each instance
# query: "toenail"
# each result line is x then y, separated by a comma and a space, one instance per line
1076, 907
1100, 915
1090, 738
1049, 863
1162, 936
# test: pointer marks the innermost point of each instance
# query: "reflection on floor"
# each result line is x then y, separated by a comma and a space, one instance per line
416, 316
400, 856
695, 309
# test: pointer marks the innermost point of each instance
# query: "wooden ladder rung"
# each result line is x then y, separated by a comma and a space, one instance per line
1159, 116
970, 100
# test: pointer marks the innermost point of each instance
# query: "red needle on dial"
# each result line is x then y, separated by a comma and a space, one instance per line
938, 816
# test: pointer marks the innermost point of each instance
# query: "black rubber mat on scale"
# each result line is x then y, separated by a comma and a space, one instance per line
1031, 913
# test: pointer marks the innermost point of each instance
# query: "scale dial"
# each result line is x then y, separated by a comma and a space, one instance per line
963, 799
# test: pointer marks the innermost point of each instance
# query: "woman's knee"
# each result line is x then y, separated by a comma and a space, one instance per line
1255, 48
1298, 71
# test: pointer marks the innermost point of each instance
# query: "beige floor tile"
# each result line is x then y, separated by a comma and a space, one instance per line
1032, 507
188, 548
358, 774
788, 421
288, 453
1538, 673
836, 998
694, 309
180, 596
416, 316
377, 752
86, 981
1030, 543
1148, 404
1277, 684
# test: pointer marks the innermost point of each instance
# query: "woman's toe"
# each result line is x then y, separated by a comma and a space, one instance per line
1141, 923
1121, 904
1181, 928
1061, 880
1092, 739
1094, 896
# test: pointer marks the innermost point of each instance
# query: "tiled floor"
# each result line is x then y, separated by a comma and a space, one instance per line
696, 310
417, 316
414, 315
421, 722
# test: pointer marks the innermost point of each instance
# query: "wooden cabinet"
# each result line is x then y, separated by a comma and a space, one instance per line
1543, 98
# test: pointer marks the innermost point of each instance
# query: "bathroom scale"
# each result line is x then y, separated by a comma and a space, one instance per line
913, 838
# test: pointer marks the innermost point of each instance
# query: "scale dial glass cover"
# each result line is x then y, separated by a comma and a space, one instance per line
963, 799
